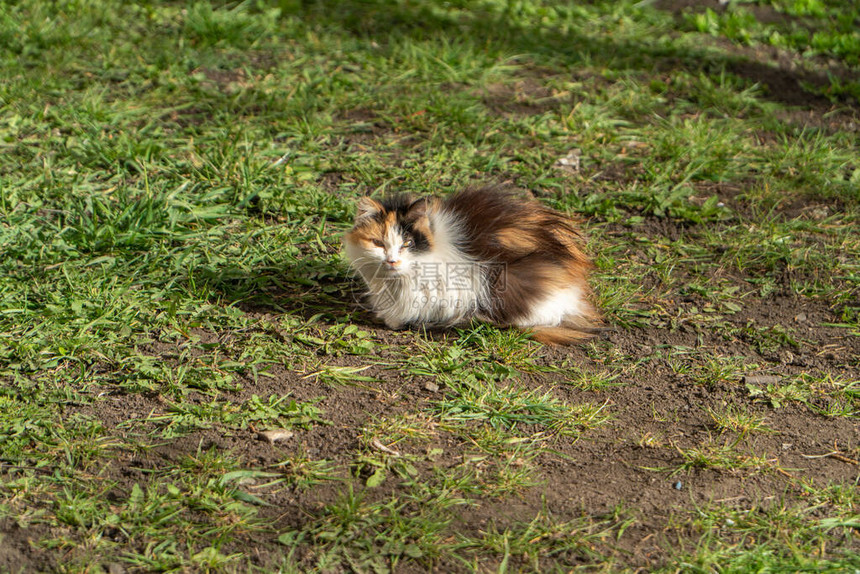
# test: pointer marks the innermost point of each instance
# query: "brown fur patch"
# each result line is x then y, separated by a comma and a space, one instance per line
537, 249
422, 225
516, 241
559, 335
366, 232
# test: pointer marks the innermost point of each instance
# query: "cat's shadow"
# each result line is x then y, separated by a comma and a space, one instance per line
330, 297
313, 291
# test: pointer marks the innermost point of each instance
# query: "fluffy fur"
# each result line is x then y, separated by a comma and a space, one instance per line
483, 253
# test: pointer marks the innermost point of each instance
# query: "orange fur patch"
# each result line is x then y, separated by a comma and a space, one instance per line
516, 241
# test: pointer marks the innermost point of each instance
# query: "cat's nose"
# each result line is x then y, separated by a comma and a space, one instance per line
393, 262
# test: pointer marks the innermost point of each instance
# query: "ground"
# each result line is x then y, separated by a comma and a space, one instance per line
189, 380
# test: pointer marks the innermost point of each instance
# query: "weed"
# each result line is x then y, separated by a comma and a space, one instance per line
738, 420
722, 457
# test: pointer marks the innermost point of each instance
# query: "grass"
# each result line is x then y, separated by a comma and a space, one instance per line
174, 182
738, 420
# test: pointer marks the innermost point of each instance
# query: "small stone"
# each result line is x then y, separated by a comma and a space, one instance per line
432, 387
273, 436
761, 379
677, 485
801, 318
569, 163
115, 568
819, 213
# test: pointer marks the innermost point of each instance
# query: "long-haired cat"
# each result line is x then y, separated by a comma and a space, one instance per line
486, 253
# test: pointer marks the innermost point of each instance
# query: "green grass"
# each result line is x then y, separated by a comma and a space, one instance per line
773, 537
174, 184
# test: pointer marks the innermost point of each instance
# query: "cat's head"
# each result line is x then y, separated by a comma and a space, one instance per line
391, 233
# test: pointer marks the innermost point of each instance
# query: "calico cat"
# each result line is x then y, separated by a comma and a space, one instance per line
486, 253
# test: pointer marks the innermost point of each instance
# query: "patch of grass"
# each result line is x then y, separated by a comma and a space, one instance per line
811, 27
304, 472
142, 526
508, 407
824, 393
504, 466
374, 535
766, 339
775, 537
717, 370
724, 457
276, 412
530, 545
595, 381
342, 375
738, 420
176, 182
408, 427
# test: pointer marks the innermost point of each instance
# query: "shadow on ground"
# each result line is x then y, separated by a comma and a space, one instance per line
380, 20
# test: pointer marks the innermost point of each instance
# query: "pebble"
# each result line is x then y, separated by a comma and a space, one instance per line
678, 485
432, 387
273, 436
761, 379
569, 163
819, 213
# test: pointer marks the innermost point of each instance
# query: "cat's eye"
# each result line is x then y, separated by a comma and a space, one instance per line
377, 242
408, 243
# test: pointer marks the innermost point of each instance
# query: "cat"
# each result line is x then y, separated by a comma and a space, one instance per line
484, 253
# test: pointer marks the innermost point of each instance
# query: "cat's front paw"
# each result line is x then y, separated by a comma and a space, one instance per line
394, 325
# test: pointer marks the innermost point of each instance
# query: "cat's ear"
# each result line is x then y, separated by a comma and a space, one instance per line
366, 208
418, 208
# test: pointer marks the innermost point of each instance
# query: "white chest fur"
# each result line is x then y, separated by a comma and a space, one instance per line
439, 287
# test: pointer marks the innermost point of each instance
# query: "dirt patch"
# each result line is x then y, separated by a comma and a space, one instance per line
18, 552
525, 96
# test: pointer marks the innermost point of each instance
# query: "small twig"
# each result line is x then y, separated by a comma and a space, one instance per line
731, 499
376, 445
785, 473
282, 159
843, 458
835, 454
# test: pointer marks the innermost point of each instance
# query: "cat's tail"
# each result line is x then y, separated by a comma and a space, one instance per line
563, 335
